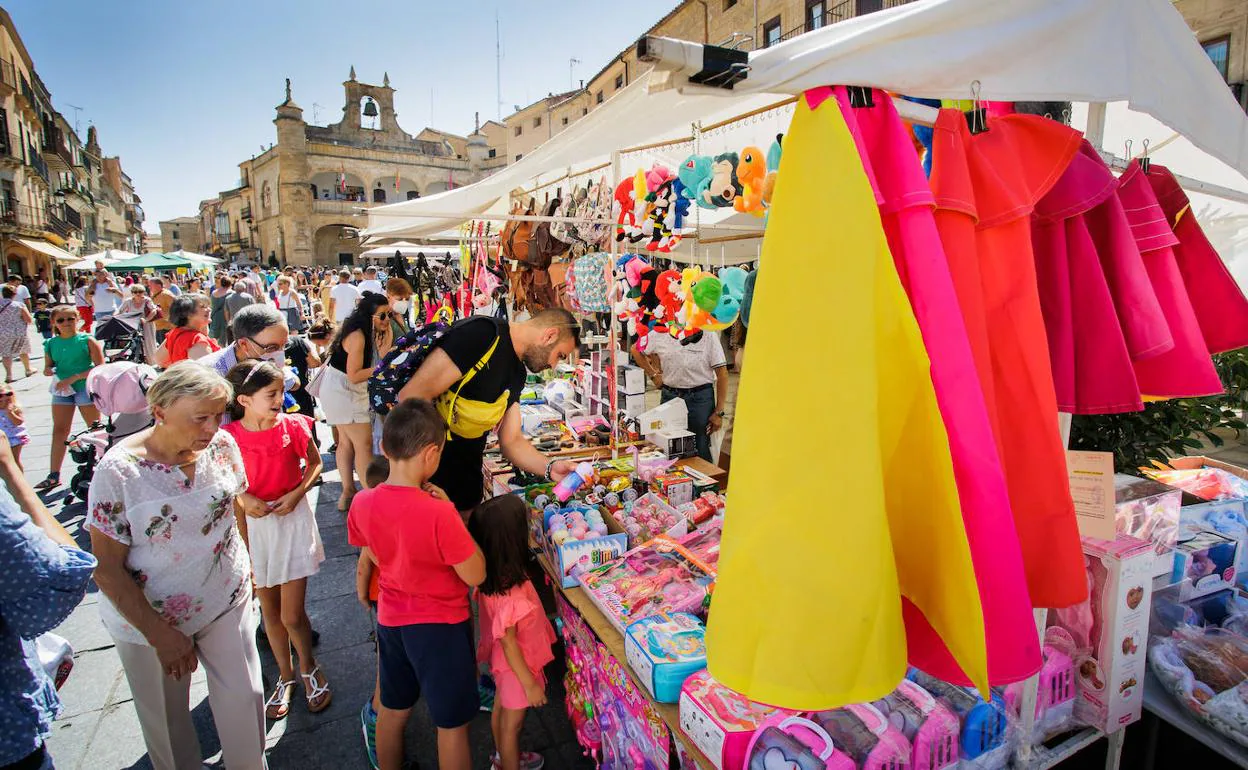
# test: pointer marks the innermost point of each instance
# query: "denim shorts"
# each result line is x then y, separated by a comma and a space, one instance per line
80, 398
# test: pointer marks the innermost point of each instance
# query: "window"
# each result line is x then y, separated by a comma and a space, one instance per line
1219, 52
619, 82
565, 120
584, 111
771, 32
493, 152
729, 3
518, 157
379, 195
816, 14
519, 130
869, 6
537, 122
413, 195
598, 98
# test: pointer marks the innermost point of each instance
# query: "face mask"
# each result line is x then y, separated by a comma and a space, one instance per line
277, 358
401, 306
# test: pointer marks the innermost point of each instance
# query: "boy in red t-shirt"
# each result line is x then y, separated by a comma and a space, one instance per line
427, 561
367, 591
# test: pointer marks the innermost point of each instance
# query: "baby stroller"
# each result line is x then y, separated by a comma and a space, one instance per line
119, 390
122, 339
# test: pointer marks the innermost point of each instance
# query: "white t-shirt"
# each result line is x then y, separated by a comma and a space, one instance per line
22, 293
103, 300
372, 285
80, 297
687, 366
344, 296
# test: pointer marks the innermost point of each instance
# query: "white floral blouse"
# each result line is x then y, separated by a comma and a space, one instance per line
185, 550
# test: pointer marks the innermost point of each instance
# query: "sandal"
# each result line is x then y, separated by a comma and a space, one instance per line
344, 503
278, 704
51, 482
313, 691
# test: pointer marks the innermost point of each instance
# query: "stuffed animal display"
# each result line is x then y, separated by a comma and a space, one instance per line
742, 181
650, 206
680, 303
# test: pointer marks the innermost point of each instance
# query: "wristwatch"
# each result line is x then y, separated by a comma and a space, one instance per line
720, 413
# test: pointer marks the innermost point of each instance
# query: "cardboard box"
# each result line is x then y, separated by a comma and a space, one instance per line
1204, 562
1149, 510
631, 380
674, 442
704, 472
589, 553
631, 405
673, 414
1109, 669
534, 418
676, 487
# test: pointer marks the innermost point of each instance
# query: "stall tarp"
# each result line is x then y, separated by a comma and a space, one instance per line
1139, 51
58, 255
154, 261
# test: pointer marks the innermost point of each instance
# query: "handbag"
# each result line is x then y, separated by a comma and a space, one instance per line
313, 387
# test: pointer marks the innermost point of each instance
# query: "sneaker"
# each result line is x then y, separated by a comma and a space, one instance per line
485, 692
529, 760
368, 721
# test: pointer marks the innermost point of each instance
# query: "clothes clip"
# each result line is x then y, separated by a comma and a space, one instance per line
860, 96
1144, 161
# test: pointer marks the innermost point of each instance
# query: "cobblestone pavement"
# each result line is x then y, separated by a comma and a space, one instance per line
98, 729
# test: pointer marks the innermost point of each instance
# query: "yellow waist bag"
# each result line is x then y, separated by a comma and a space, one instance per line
467, 418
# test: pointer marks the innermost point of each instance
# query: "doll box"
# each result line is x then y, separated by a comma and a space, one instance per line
664, 650
1204, 562
1149, 510
1109, 673
719, 721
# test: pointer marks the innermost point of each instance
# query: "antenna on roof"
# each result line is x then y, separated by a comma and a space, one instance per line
498, 67
76, 110
571, 64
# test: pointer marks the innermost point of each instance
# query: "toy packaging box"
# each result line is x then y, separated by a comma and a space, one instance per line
1149, 510
863, 733
664, 650
1215, 497
719, 721
984, 741
1106, 637
931, 727
658, 576
572, 557
1204, 562
785, 742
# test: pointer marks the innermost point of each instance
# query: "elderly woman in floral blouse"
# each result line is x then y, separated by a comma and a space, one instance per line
175, 574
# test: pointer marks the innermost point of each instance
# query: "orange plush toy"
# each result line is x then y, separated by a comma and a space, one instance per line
752, 174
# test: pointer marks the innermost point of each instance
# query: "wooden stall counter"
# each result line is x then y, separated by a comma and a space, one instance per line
613, 640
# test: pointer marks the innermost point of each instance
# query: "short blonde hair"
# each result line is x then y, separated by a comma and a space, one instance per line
187, 379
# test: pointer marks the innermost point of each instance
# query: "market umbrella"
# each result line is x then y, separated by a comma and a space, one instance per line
107, 256
199, 260
154, 261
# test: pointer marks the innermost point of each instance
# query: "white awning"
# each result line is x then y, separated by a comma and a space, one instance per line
1138, 51
57, 254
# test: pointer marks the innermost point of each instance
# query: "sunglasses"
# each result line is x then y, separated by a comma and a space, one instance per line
6, 395
65, 320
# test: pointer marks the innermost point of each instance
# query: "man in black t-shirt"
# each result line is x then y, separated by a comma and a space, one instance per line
535, 345
301, 357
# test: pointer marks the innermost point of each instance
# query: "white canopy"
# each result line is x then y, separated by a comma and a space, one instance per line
107, 256
406, 249
192, 257
58, 255
1138, 51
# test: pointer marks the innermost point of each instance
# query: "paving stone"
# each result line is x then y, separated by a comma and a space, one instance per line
336, 578
93, 684
70, 738
86, 630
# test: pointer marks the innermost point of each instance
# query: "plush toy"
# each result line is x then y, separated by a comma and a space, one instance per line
680, 205
752, 174
626, 220
729, 308
773, 170
668, 299
656, 176
695, 177
724, 186
660, 218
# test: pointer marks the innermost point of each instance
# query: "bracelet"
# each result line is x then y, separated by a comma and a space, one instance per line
550, 465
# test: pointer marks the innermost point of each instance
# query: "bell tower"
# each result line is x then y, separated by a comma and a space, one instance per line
294, 196
362, 100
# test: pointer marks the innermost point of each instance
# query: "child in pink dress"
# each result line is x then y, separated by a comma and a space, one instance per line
515, 635
278, 524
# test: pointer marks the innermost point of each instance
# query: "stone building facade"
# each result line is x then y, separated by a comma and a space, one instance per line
181, 233
300, 201
59, 198
1221, 26
744, 24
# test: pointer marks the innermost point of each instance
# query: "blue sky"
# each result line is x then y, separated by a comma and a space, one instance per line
184, 90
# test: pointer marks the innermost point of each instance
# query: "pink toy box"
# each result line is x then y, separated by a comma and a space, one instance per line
1107, 636
719, 721
930, 726
785, 742
863, 733
658, 576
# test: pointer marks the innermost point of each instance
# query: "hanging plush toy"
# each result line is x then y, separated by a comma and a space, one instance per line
661, 217
699, 292
667, 299
695, 177
724, 186
752, 174
626, 219
729, 308
773, 170
680, 205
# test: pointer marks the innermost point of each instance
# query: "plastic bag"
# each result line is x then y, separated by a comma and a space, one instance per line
1205, 670
56, 656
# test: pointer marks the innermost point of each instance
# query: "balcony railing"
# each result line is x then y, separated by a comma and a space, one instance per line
21, 215
839, 12
36, 162
246, 213
72, 217
54, 144
228, 238
59, 226
339, 207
